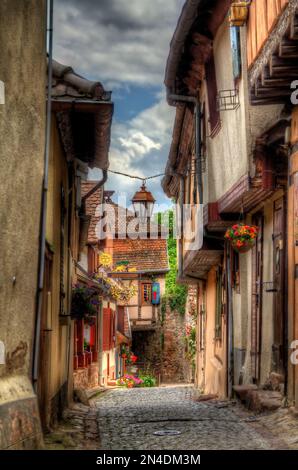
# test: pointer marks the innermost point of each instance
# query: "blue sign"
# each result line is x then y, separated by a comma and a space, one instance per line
155, 293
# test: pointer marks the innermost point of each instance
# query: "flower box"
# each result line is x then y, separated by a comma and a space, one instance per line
238, 13
242, 237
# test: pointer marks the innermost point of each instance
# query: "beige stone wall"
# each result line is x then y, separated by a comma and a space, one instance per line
22, 133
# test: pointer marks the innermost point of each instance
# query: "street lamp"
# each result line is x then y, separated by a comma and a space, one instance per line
143, 203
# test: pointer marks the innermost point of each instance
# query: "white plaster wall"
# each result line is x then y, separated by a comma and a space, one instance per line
229, 153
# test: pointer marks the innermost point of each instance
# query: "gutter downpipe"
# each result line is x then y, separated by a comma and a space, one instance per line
42, 238
171, 97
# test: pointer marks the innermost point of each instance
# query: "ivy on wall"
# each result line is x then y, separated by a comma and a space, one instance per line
175, 294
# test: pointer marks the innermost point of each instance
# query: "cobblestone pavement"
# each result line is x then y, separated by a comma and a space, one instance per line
127, 419
77, 431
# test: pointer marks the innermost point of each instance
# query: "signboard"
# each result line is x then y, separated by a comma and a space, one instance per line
155, 293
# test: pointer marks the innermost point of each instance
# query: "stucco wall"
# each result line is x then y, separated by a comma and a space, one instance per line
229, 153
22, 131
146, 310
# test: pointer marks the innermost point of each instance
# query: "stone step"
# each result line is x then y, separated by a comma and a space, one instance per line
242, 390
264, 400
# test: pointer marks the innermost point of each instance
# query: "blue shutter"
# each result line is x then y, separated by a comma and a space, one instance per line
155, 293
236, 50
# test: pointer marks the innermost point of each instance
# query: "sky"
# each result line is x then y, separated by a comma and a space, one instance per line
125, 45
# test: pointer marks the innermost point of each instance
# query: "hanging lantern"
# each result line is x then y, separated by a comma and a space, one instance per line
143, 203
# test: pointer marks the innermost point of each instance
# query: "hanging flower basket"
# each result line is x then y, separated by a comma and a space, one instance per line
84, 302
238, 13
242, 237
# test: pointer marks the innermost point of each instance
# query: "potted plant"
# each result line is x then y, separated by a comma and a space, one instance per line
242, 237
238, 13
84, 302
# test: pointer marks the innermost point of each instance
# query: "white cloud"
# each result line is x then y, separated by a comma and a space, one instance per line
140, 147
124, 44
116, 41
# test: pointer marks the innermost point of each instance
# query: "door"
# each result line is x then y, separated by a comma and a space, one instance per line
279, 286
43, 382
257, 285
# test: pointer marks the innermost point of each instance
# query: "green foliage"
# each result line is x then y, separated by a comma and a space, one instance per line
148, 380
191, 344
176, 294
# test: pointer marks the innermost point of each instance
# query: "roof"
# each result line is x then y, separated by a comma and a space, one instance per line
68, 84
191, 44
92, 203
144, 255
84, 113
190, 49
125, 222
123, 217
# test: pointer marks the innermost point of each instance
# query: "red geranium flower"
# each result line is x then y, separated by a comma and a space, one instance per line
134, 358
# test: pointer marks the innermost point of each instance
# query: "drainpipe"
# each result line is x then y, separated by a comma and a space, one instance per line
95, 188
42, 239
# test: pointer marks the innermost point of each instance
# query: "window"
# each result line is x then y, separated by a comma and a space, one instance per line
214, 116
236, 51
146, 293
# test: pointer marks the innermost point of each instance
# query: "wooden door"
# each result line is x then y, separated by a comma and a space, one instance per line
257, 289
279, 286
45, 343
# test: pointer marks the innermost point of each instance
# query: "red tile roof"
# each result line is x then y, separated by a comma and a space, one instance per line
144, 255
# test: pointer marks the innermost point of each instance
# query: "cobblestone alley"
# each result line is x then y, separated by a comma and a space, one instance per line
128, 419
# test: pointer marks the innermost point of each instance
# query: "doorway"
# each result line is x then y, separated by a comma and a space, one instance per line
257, 297
279, 307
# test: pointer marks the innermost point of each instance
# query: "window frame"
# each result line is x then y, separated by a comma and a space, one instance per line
143, 301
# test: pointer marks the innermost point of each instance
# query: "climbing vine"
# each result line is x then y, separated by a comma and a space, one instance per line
176, 294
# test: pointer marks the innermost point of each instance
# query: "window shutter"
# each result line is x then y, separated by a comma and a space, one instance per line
112, 329
106, 329
214, 116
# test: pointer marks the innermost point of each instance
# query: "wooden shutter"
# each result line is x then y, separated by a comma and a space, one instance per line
106, 329
214, 116
120, 320
112, 329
